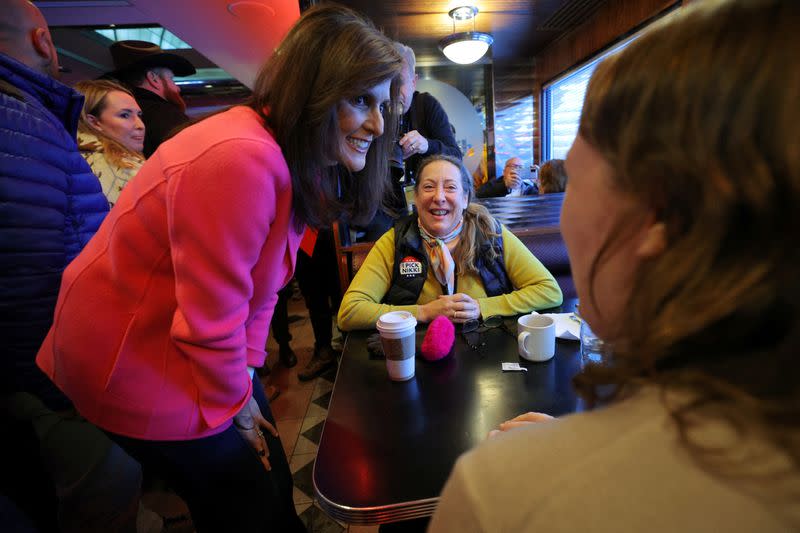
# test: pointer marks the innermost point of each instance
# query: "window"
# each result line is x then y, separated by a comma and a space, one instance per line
562, 102
561, 109
156, 35
513, 133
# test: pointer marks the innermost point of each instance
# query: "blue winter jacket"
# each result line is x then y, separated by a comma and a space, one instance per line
50, 206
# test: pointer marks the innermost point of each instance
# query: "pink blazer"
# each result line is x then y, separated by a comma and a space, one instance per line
160, 315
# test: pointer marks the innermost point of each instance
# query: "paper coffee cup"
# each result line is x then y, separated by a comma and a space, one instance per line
398, 338
537, 337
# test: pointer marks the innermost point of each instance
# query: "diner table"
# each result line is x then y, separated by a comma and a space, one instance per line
387, 447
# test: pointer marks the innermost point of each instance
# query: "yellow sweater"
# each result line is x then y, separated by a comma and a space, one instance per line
535, 287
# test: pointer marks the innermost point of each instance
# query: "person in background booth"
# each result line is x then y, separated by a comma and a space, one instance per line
513, 178
110, 134
163, 317
51, 207
682, 234
452, 258
552, 177
150, 73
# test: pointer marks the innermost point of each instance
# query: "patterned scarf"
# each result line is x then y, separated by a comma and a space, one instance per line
439, 254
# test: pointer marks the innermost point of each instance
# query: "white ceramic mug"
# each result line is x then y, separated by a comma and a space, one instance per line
537, 337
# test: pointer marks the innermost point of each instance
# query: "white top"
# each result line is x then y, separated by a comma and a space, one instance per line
618, 469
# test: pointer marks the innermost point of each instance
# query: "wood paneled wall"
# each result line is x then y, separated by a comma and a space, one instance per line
615, 19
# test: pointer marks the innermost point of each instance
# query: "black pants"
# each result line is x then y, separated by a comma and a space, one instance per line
280, 317
63, 471
222, 479
318, 278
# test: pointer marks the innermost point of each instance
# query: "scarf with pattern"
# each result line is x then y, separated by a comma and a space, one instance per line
439, 254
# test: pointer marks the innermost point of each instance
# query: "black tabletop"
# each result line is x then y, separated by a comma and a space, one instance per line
387, 447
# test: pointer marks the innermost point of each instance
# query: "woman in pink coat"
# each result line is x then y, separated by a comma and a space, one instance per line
163, 316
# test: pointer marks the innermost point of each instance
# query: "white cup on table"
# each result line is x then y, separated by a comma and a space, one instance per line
536, 337
398, 338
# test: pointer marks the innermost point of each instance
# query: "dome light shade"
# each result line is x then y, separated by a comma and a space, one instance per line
466, 47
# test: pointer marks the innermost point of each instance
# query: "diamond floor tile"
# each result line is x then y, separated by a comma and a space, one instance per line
323, 400
314, 433
303, 479
318, 522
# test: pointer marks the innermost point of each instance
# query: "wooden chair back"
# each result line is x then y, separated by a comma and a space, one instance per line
349, 257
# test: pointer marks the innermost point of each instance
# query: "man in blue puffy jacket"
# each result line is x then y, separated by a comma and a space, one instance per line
50, 206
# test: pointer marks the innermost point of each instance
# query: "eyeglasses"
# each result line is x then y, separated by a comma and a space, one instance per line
472, 329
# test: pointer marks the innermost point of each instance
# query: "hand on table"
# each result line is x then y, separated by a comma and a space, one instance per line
520, 421
457, 307
251, 424
413, 143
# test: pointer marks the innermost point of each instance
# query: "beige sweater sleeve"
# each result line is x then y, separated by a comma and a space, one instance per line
457, 508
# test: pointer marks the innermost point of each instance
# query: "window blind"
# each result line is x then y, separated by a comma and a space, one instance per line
562, 101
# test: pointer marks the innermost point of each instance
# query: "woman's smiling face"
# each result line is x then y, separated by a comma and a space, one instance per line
441, 198
361, 122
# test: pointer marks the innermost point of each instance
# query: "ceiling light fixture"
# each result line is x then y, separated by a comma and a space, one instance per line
468, 46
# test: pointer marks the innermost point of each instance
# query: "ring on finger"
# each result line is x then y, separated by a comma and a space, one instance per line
260, 433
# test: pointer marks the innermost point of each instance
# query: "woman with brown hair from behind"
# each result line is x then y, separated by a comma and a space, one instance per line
680, 220
552, 177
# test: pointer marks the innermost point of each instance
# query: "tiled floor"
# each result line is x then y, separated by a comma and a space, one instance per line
300, 411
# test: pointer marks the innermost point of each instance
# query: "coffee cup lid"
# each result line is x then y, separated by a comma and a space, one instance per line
396, 321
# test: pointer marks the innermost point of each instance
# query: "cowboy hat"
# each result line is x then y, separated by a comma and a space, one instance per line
132, 55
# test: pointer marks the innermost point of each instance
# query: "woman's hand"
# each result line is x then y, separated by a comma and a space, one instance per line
457, 307
251, 424
519, 421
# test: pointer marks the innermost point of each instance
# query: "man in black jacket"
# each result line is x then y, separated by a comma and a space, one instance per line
149, 72
425, 129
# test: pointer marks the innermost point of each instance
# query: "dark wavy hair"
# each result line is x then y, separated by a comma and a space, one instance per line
331, 54
697, 118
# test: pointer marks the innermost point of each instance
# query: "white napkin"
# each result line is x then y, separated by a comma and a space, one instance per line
568, 326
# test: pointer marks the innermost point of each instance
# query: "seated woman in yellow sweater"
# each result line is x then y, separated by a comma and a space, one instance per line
452, 258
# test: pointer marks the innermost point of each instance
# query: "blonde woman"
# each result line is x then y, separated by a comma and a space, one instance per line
110, 134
